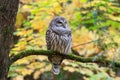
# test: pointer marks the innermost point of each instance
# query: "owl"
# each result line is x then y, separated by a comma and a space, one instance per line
58, 39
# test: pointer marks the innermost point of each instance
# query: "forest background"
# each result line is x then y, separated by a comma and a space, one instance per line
95, 28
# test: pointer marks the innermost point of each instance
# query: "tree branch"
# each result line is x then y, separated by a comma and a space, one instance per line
70, 57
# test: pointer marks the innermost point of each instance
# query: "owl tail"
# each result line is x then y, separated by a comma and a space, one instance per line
56, 69
56, 61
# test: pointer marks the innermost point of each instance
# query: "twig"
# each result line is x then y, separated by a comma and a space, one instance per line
86, 43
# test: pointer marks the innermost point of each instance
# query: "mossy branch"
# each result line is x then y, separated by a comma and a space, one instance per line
70, 57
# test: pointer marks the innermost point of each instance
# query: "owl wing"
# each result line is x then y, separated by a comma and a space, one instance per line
48, 39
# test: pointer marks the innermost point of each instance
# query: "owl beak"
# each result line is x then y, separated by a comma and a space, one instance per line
64, 25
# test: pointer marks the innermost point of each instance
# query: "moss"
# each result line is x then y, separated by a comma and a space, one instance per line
7, 31
70, 57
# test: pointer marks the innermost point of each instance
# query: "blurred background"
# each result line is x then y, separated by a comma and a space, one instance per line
95, 28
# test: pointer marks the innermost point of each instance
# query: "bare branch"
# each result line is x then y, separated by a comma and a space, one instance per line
86, 43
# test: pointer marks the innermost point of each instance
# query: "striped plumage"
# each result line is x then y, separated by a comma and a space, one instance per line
58, 38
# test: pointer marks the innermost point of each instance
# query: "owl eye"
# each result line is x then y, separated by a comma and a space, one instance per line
59, 22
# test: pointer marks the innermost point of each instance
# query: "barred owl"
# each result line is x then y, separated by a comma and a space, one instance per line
58, 38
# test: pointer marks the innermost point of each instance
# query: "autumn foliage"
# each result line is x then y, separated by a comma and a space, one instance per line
95, 28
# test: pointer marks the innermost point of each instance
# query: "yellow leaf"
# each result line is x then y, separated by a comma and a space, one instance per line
19, 20
39, 25
57, 7
71, 69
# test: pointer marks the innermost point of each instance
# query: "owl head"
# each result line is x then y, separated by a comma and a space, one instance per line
59, 21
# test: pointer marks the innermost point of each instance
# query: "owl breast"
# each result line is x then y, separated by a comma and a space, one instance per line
60, 43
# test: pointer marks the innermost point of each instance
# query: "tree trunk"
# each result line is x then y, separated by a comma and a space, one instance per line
8, 11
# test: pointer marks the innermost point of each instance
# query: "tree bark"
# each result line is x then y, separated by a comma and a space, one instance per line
8, 11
